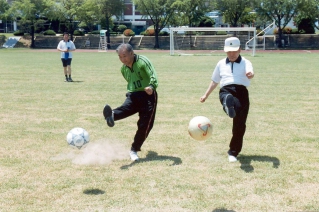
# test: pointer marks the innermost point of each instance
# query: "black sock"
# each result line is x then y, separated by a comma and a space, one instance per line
66, 76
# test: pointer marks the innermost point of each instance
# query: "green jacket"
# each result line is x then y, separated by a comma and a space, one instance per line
141, 75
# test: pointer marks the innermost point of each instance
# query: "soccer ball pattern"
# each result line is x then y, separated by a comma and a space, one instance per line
200, 128
78, 137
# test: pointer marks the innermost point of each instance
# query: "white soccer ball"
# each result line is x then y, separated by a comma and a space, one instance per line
78, 137
200, 128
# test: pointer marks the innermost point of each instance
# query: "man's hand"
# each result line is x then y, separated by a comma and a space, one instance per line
203, 98
148, 90
249, 75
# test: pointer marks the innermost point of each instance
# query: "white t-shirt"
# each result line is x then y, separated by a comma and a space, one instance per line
66, 45
227, 73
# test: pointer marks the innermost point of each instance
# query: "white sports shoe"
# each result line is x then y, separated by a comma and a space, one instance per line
134, 156
232, 158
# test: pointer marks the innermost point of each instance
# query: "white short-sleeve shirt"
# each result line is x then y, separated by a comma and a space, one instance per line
66, 45
227, 73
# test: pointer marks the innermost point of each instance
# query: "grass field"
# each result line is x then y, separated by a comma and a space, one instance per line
277, 170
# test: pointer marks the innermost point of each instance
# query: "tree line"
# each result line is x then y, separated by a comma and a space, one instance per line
162, 13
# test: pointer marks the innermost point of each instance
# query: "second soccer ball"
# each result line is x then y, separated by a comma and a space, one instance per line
200, 128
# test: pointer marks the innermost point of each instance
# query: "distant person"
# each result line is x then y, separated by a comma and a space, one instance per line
66, 47
233, 73
141, 96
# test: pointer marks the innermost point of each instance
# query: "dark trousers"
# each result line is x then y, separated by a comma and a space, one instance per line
143, 104
241, 101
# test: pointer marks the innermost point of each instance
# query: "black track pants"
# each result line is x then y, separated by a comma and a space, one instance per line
241, 100
143, 104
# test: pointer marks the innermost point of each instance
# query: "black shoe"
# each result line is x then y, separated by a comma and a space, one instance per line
229, 106
108, 115
66, 80
70, 79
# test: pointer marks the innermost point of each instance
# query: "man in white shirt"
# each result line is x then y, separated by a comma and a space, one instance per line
233, 73
66, 47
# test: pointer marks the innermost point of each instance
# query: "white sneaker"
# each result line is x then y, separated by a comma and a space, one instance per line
232, 158
134, 156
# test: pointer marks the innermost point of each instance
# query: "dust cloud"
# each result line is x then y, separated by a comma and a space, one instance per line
96, 153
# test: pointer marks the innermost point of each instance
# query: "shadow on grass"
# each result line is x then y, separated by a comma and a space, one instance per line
75, 81
246, 160
152, 156
222, 210
93, 191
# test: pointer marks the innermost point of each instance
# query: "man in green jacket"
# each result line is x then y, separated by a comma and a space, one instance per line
141, 97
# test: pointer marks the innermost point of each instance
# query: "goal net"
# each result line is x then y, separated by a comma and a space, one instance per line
207, 40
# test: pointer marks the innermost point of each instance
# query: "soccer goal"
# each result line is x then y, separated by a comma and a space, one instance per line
207, 40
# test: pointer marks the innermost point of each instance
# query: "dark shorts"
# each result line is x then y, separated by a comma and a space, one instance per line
66, 62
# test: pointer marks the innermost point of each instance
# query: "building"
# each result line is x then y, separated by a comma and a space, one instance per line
132, 18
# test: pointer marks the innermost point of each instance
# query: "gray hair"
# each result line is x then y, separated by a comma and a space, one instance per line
124, 46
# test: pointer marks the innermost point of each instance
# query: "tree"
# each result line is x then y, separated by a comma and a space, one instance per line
249, 17
233, 10
206, 21
30, 12
281, 11
192, 11
88, 15
67, 11
109, 8
308, 15
4, 6
159, 11
306, 26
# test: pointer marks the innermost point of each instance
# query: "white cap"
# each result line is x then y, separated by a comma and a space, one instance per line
231, 44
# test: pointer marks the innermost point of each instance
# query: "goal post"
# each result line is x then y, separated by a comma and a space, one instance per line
197, 37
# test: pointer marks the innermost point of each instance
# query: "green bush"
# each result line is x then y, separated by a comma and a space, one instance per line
294, 31
114, 33
18, 33
95, 32
163, 33
200, 33
49, 32
221, 33
206, 22
78, 33
129, 32
190, 33
121, 28
302, 32
208, 33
